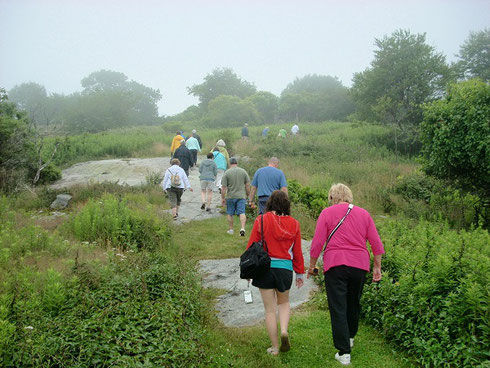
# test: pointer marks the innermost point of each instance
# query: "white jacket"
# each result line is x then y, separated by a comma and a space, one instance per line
172, 170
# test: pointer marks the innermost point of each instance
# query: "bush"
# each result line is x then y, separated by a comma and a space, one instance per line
433, 299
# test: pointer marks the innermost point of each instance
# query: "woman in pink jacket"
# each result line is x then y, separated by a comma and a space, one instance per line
346, 261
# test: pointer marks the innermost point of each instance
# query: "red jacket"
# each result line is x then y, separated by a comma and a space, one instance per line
283, 237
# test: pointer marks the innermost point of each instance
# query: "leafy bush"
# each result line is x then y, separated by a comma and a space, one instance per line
112, 221
433, 300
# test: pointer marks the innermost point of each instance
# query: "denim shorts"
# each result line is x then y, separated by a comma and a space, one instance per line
235, 206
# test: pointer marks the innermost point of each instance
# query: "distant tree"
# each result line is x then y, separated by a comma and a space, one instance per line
31, 97
192, 113
228, 111
456, 136
474, 56
266, 104
222, 81
405, 73
316, 98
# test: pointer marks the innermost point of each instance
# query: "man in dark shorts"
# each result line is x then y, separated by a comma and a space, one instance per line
235, 187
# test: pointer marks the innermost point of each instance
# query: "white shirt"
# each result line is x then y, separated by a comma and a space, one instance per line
172, 170
295, 129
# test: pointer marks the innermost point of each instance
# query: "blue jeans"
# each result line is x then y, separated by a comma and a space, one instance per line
235, 206
262, 201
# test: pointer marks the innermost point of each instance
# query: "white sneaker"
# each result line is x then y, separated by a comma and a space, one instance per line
231, 232
351, 342
343, 359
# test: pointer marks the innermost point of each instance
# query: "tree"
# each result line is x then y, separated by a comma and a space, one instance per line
316, 98
474, 56
405, 73
222, 81
228, 111
266, 104
456, 136
31, 97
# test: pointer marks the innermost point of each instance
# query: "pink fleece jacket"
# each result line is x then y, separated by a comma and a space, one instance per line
348, 245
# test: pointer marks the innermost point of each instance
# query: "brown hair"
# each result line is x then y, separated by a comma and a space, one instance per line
175, 161
278, 202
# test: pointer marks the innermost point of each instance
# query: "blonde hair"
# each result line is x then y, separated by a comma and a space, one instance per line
340, 193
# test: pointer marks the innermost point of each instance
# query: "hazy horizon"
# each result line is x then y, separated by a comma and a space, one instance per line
170, 46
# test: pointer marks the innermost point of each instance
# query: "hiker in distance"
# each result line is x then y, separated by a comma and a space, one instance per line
266, 180
184, 156
208, 171
245, 131
174, 183
282, 237
221, 146
235, 188
295, 130
195, 135
193, 145
346, 261
221, 164
176, 143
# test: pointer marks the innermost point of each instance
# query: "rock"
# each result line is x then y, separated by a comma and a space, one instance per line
61, 201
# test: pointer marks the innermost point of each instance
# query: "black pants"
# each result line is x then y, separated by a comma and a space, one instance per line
344, 288
194, 157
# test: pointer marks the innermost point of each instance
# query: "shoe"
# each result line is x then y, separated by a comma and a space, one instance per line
219, 190
242, 232
175, 217
285, 345
351, 340
343, 359
273, 351
208, 209
203, 206
231, 232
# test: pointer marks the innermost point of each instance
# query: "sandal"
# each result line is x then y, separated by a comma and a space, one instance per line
285, 345
272, 351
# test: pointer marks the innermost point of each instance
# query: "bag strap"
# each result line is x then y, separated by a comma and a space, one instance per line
351, 206
262, 233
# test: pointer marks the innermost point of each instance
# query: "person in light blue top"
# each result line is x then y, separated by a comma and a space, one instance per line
221, 164
265, 132
193, 145
266, 180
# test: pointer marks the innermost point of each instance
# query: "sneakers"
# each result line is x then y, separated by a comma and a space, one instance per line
231, 232
208, 209
242, 232
203, 206
343, 359
351, 340
285, 345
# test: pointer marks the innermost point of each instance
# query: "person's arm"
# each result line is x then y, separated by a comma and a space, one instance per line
284, 183
223, 194
247, 189
166, 178
284, 189
251, 196
376, 247
255, 234
318, 241
298, 260
377, 268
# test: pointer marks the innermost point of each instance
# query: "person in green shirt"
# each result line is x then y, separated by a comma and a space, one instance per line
235, 189
282, 133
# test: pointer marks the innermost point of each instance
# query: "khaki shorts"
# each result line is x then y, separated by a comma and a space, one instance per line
174, 195
207, 185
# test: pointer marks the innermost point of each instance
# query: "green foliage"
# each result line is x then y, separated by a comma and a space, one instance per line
266, 104
433, 299
31, 97
315, 98
110, 220
226, 111
474, 56
221, 81
456, 136
405, 73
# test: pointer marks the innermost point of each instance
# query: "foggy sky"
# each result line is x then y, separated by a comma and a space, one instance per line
170, 45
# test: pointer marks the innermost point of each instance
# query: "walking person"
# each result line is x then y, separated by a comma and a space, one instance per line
266, 180
346, 261
295, 130
193, 145
282, 236
221, 164
176, 143
175, 181
245, 131
265, 132
184, 156
195, 135
221, 146
282, 133
234, 191
208, 171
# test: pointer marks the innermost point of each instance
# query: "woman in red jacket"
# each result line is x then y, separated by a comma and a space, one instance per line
282, 236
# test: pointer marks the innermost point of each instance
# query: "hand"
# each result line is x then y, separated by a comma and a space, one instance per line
191, 189
311, 272
376, 274
252, 205
299, 283
223, 202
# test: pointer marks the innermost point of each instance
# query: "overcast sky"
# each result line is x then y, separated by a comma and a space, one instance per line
170, 45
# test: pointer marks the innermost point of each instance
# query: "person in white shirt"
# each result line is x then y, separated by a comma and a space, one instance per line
174, 183
295, 129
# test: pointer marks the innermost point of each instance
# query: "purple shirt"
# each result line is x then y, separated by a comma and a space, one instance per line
348, 245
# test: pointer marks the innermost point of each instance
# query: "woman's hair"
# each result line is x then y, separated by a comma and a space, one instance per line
209, 155
175, 161
279, 202
340, 193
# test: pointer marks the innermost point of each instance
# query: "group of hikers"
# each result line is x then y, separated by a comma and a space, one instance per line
341, 233
265, 132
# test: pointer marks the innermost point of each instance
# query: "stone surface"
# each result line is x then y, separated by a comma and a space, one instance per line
61, 201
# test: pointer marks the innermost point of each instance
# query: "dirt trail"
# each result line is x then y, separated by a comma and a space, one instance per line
222, 274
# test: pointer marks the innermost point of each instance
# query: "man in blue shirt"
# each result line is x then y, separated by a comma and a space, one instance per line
266, 180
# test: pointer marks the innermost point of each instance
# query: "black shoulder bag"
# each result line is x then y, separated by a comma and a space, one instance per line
255, 261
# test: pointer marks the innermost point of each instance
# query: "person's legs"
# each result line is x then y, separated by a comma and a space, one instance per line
336, 284
230, 221
219, 177
269, 300
243, 220
284, 310
210, 197
354, 291
203, 196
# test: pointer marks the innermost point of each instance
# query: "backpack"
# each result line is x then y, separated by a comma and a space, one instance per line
255, 261
174, 179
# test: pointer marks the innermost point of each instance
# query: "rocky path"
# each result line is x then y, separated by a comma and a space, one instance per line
223, 273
